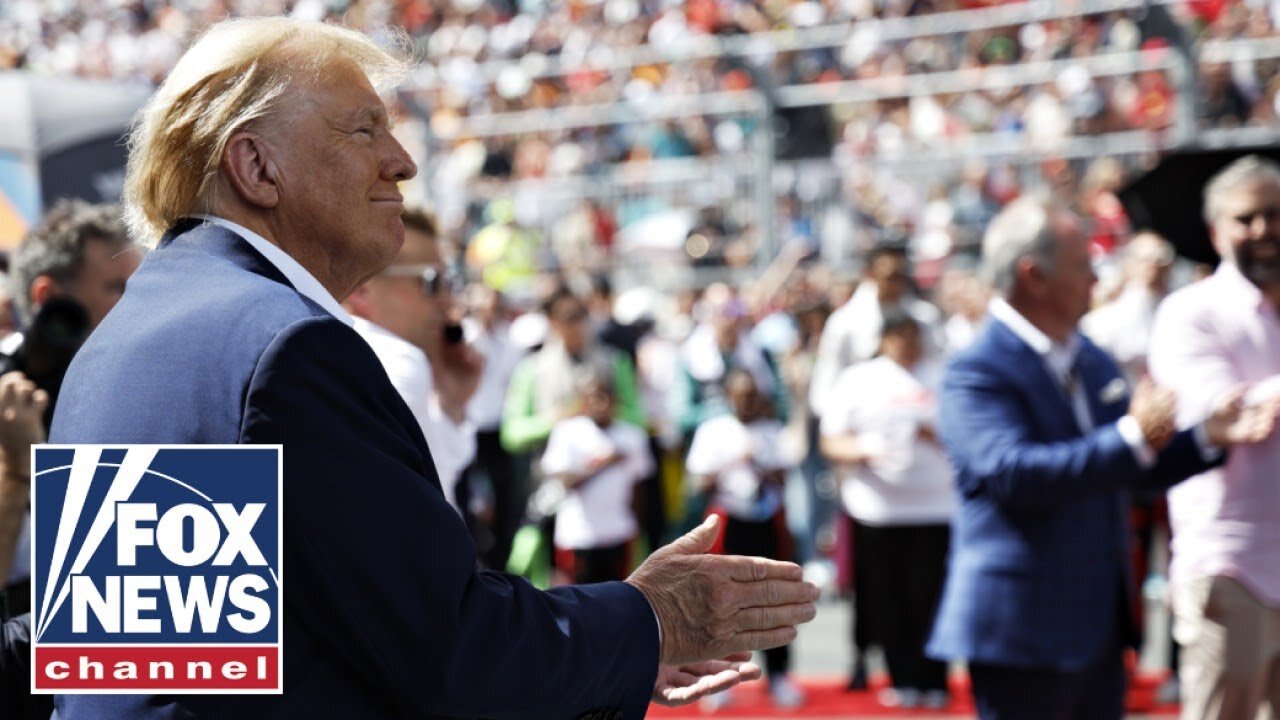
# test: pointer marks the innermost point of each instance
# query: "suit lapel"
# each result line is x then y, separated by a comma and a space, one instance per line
1045, 389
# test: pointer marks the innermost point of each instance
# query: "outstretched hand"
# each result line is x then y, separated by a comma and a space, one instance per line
714, 606
683, 684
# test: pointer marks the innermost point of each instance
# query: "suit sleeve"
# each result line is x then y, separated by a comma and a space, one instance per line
986, 426
382, 570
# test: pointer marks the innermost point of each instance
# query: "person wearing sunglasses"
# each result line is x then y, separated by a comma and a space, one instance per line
408, 316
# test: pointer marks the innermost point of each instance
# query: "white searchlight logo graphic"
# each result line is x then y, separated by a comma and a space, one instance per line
157, 569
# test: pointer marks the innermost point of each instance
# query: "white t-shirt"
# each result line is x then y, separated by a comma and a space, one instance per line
501, 355
735, 454
910, 480
452, 445
596, 513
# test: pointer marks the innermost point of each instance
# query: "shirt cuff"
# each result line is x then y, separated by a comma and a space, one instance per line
1208, 451
659, 624
1132, 433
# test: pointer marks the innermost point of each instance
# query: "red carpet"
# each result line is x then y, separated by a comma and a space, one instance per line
827, 699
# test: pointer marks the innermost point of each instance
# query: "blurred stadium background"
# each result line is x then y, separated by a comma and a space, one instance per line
669, 144
677, 142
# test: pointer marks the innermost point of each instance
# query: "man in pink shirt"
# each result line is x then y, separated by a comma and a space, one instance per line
1221, 336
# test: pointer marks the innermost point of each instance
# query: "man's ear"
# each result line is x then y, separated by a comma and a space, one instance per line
1028, 273
44, 289
249, 165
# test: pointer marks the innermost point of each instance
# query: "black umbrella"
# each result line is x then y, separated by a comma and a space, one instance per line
1169, 199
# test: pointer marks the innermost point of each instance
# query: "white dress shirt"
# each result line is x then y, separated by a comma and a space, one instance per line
1122, 327
301, 280
501, 355
452, 445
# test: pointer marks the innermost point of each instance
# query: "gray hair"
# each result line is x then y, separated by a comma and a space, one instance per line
1247, 169
1021, 230
55, 247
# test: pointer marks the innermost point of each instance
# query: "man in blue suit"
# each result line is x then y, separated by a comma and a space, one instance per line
1046, 440
268, 158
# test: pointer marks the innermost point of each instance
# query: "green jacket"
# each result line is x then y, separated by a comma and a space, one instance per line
525, 425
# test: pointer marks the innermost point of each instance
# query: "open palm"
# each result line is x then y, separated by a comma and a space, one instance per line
683, 684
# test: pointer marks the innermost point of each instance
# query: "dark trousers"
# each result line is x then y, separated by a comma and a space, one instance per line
767, 539
899, 573
594, 565
653, 522
508, 502
1007, 693
15, 600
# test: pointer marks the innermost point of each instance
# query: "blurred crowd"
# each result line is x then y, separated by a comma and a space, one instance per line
599, 422
487, 58
577, 433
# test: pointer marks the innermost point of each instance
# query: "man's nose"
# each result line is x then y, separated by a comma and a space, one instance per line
397, 165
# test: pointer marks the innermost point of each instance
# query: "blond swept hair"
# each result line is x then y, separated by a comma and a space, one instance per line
237, 72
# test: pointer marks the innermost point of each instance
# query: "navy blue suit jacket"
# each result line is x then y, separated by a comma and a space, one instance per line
1039, 574
385, 614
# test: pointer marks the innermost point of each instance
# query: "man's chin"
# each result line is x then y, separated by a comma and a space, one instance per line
1265, 275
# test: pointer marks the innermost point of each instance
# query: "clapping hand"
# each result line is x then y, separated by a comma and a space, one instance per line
1155, 409
683, 684
926, 433
714, 606
600, 462
1234, 422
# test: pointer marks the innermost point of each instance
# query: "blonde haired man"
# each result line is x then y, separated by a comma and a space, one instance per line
267, 162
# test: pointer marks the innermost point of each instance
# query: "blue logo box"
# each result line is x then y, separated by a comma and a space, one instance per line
156, 568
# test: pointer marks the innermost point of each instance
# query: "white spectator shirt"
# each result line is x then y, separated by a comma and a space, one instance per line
501, 355
909, 480
597, 513
452, 445
852, 335
1122, 327
736, 454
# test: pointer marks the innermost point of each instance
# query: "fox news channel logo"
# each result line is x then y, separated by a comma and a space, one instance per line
156, 569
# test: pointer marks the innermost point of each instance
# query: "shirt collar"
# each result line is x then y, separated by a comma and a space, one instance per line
302, 281
1042, 344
